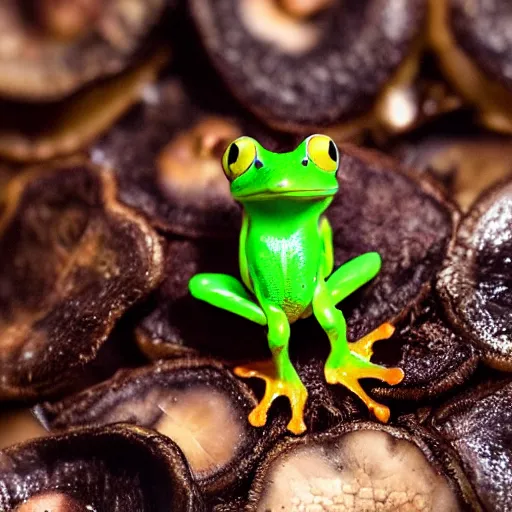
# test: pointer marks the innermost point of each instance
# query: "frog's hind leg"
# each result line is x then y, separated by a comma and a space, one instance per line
343, 366
281, 378
346, 280
228, 293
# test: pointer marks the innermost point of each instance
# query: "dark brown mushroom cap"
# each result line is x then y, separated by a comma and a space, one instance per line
177, 324
354, 467
116, 468
434, 359
166, 154
382, 207
72, 260
197, 403
331, 69
482, 29
476, 281
36, 64
378, 208
477, 425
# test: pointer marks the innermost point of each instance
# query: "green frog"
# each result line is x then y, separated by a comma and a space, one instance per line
286, 263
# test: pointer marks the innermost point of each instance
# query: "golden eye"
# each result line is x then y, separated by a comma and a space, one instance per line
323, 152
238, 157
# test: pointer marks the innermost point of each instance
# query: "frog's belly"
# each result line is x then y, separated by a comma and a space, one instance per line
285, 275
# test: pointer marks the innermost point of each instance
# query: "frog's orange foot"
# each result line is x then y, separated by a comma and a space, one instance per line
275, 387
364, 347
353, 369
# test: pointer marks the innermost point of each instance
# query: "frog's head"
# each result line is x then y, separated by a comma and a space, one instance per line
256, 174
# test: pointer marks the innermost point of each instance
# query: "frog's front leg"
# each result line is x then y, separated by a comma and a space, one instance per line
227, 293
345, 281
343, 365
281, 378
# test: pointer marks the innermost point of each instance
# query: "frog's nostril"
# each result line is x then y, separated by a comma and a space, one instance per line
282, 184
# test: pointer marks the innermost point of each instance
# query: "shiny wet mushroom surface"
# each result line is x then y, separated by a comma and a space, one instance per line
475, 283
476, 424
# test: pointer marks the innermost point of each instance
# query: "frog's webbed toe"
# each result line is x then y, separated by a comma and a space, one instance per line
274, 388
364, 346
354, 368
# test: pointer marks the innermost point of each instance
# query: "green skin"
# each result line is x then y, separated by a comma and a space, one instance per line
286, 259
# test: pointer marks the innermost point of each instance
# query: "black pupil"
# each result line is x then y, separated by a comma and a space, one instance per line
233, 154
332, 151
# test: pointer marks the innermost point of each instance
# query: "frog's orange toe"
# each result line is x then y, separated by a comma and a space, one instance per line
352, 369
395, 376
258, 416
275, 387
381, 412
364, 346
296, 425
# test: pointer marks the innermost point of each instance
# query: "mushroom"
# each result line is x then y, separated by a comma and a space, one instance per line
73, 260
166, 154
473, 43
50, 48
435, 359
476, 424
303, 66
354, 467
113, 468
475, 283
31, 132
196, 403
466, 165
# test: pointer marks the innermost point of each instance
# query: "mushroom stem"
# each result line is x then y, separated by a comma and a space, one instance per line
68, 19
303, 8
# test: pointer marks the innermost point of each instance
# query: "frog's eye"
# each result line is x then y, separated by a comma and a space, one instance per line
322, 151
238, 157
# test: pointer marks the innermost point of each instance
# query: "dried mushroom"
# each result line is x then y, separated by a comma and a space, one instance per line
305, 65
117, 468
18, 425
177, 324
473, 43
476, 281
465, 165
73, 260
34, 132
477, 426
196, 403
354, 467
50, 48
381, 207
434, 359
166, 155
412, 239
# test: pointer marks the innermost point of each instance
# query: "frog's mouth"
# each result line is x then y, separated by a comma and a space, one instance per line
305, 195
